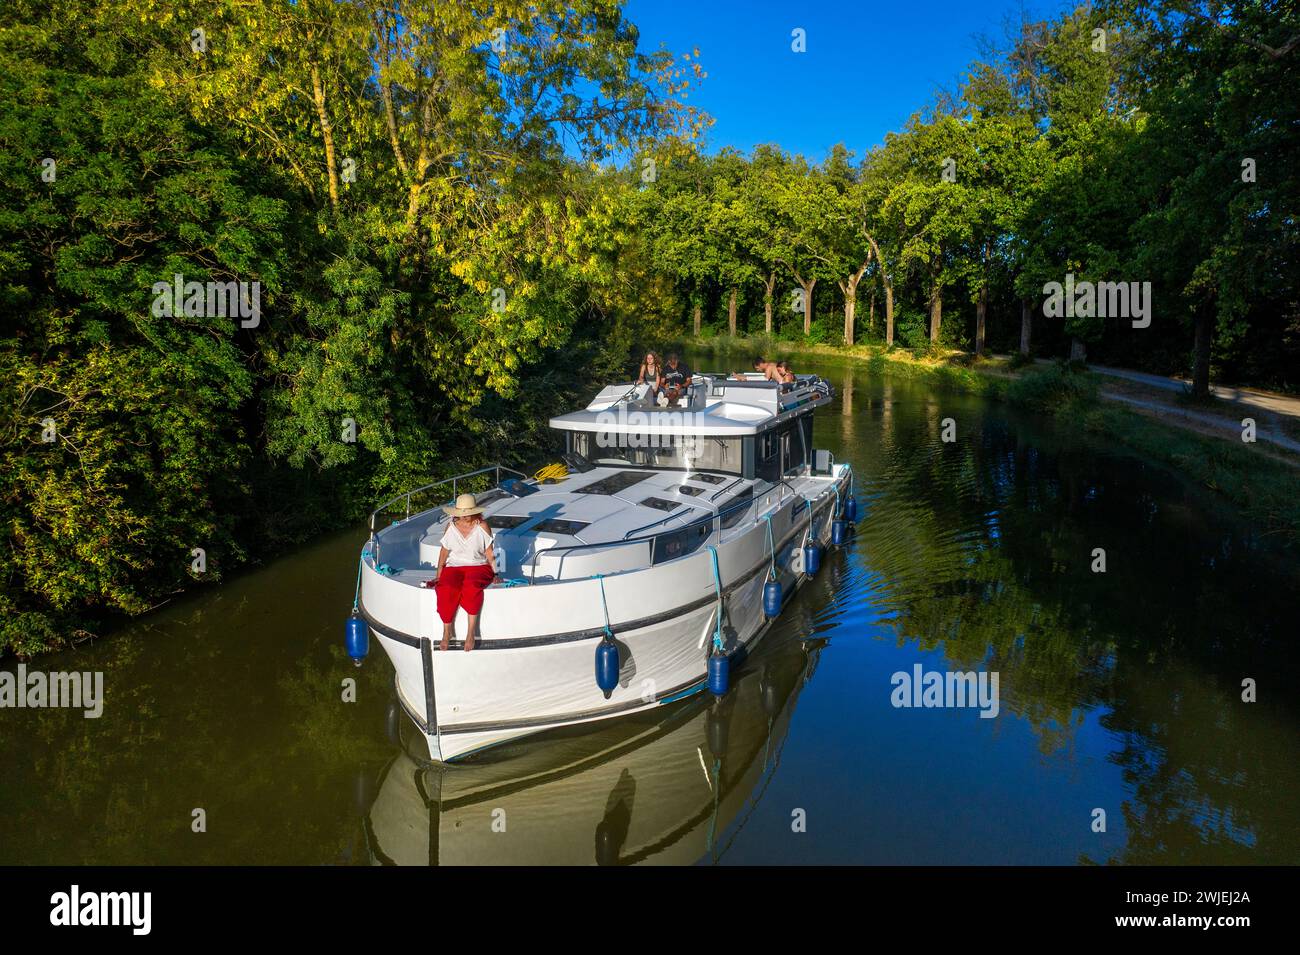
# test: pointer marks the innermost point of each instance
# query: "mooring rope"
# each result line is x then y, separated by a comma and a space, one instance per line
609, 633
356, 598
771, 546
717, 586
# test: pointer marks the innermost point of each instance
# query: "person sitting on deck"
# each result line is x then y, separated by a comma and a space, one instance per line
784, 374
650, 374
675, 380
465, 568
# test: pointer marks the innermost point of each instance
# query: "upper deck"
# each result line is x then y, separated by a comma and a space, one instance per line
717, 405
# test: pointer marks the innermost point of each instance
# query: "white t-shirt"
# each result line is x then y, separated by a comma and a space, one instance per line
466, 550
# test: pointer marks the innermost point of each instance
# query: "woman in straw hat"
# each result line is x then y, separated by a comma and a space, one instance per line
465, 567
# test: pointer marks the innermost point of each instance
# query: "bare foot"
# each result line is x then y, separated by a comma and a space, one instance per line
446, 638
469, 640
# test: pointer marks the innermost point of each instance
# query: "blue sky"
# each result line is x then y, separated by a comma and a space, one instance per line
868, 66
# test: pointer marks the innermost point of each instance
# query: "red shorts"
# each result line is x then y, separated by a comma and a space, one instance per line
462, 587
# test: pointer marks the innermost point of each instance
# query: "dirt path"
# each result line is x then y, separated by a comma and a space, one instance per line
1267, 401
1277, 417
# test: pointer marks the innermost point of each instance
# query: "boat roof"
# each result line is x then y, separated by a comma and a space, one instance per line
719, 406
609, 504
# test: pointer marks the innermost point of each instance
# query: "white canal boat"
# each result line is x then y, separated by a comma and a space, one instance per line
637, 578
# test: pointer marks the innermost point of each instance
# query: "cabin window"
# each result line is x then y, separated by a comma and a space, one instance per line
680, 543
734, 511
767, 466
670, 452
783, 449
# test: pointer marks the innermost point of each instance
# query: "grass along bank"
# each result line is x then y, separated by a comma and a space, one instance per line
1263, 481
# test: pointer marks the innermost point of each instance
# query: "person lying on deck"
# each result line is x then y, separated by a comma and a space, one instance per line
465, 568
761, 365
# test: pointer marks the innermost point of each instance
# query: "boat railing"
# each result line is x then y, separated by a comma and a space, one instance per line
454, 481
715, 535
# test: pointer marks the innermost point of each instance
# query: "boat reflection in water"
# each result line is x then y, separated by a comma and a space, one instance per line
664, 787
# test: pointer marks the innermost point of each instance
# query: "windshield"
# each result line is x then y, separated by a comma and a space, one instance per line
667, 451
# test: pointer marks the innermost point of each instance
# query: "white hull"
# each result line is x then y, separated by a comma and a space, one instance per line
534, 666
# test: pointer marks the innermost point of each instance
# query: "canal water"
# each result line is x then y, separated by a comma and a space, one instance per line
1121, 734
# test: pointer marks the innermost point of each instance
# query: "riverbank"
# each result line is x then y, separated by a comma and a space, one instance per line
1202, 442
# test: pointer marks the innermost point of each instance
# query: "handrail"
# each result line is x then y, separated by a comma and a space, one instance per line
497, 468
692, 502
725, 488
714, 518
675, 515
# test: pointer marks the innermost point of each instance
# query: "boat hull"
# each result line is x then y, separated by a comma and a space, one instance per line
534, 666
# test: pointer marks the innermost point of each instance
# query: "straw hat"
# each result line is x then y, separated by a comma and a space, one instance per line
465, 506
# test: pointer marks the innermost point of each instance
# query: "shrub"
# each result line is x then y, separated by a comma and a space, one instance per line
1020, 360
911, 332
1055, 388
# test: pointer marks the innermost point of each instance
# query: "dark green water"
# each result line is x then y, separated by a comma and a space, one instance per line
1119, 691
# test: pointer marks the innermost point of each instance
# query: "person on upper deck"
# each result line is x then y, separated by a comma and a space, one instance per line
675, 379
650, 374
762, 366
466, 567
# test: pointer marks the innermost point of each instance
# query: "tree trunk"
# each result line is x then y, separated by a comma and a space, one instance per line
731, 313
1026, 326
422, 163
807, 307
327, 133
889, 291
1201, 352
871, 313
889, 314
936, 312
981, 310
1078, 350
697, 320
850, 289
769, 290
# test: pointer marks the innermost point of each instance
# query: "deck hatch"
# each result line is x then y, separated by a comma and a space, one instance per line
505, 522
555, 525
708, 478
614, 483
659, 504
